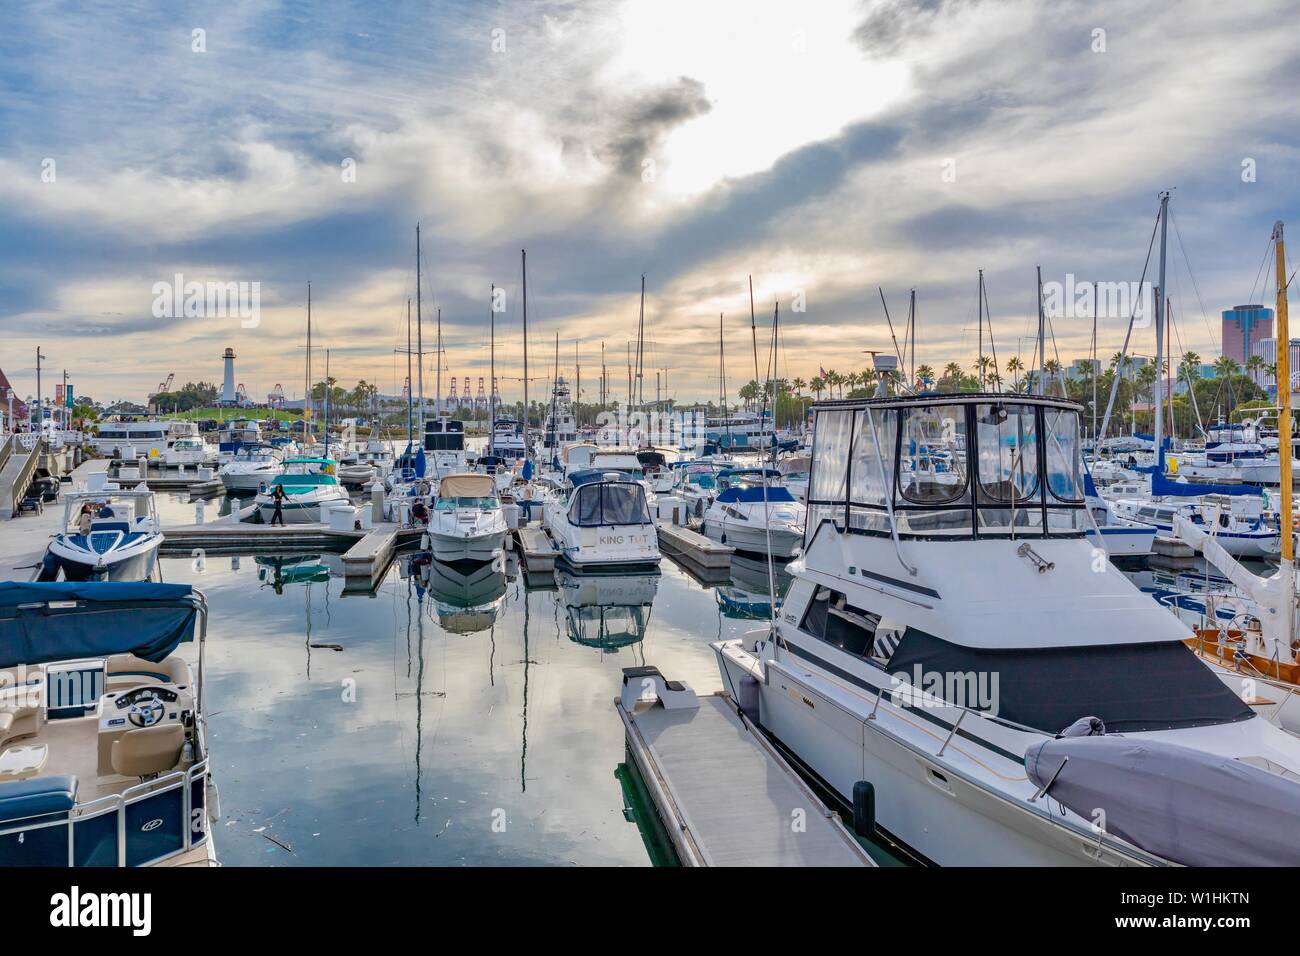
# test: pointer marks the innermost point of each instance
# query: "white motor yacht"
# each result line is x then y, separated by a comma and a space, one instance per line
190, 450
602, 522
251, 466
755, 516
958, 647
467, 523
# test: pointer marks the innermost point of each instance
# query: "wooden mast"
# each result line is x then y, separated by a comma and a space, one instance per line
1287, 564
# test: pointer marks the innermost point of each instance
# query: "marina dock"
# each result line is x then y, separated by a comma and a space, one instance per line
724, 794
701, 550
537, 550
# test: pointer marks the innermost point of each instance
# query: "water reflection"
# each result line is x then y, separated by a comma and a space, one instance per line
607, 611
749, 595
467, 596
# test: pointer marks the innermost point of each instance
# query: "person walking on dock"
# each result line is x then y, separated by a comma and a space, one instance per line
278, 497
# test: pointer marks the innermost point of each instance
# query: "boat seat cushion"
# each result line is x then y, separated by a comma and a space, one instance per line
37, 796
149, 750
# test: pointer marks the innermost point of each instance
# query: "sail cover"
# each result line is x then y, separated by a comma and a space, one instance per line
1181, 804
59, 621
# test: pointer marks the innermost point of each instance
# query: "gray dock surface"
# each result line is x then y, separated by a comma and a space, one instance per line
702, 550
727, 798
537, 549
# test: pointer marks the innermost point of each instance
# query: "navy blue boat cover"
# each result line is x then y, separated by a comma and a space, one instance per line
145, 619
776, 494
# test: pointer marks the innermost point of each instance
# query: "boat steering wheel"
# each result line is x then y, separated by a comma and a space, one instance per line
145, 708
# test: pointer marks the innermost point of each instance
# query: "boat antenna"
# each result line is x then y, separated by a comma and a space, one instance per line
753, 329
892, 336
762, 470
993, 344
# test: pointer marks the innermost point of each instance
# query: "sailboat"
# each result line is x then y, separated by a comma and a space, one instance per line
1259, 640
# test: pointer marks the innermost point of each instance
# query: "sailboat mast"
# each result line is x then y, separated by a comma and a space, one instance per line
306, 398
326, 426
419, 325
722, 381
640, 348
1096, 372
492, 395
1160, 334
1287, 562
523, 267
1042, 354
437, 375
979, 294
753, 330
410, 393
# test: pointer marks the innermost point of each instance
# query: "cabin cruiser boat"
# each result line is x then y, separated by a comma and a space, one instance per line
1118, 537
697, 485
189, 450
108, 535
467, 523
507, 439
794, 475
251, 466
751, 515
654, 466
607, 612
1237, 522
958, 647
310, 488
602, 523
103, 750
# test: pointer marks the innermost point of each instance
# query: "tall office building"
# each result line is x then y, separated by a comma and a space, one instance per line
1244, 327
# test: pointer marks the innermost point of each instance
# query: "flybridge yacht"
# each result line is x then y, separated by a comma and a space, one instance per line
444, 445
234, 434
507, 439
602, 522
310, 487
755, 516
109, 535
956, 645
654, 465
561, 427
251, 466
103, 756
467, 523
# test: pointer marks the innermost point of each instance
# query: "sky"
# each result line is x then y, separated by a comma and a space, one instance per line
826, 149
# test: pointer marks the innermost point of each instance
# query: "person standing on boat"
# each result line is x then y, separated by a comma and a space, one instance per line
278, 497
419, 513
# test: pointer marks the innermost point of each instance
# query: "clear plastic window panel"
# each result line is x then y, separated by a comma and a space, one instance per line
932, 456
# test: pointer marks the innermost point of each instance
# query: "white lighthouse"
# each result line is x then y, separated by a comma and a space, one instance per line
228, 395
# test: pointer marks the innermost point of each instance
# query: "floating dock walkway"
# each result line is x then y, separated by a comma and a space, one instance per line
536, 549
703, 551
724, 794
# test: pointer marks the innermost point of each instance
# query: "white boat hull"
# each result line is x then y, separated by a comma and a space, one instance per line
452, 547
785, 543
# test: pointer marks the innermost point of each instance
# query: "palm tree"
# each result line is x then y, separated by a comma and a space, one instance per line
799, 385
817, 386
952, 370
1226, 366
924, 374
1254, 365
1015, 367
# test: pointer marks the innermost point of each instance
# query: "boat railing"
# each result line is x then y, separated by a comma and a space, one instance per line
144, 824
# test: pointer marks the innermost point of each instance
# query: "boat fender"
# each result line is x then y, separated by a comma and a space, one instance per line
864, 809
747, 695
1084, 727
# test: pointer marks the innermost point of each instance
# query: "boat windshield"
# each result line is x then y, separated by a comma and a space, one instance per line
467, 504
602, 503
951, 469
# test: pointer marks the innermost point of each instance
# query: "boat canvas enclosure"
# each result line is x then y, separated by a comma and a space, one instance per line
58, 621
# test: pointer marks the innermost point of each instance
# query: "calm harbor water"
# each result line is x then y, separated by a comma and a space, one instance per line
457, 716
